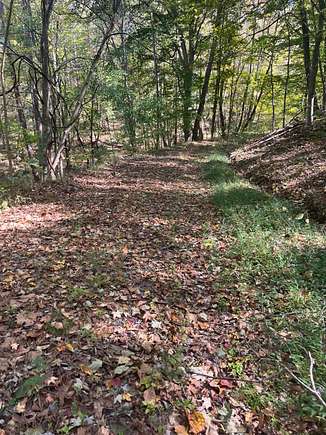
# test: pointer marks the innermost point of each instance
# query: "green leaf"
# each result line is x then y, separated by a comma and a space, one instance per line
27, 388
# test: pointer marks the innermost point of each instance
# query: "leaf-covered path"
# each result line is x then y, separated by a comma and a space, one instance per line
108, 306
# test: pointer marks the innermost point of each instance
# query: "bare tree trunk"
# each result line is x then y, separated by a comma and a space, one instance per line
322, 69
216, 96
252, 110
157, 87
286, 85
204, 90
45, 138
314, 64
5, 128
273, 92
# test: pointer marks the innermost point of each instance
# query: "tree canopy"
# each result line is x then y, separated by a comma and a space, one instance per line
77, 75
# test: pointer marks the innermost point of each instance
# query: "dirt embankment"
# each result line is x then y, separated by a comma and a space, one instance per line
290, 162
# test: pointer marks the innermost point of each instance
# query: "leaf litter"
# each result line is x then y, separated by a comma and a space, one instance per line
109, 281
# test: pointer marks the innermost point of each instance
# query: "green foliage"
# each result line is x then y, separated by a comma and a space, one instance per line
76, 293
282, 260
28, 387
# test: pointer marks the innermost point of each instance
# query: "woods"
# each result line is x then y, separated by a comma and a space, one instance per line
151, 75
162, 211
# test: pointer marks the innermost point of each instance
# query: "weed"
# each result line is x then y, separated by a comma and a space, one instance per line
76, 293
254, 399
185, 404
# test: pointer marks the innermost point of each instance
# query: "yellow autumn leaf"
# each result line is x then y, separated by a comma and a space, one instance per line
127, 397
70, 347
196, 422
85, 369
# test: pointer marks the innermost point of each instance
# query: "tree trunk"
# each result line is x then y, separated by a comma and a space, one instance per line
204, 90
5, 127
187, 101
286, 85
314, 65
45, 138
157, 87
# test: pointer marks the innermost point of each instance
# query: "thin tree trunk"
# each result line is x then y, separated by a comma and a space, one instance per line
273, 92
286, 85
45, 138
252, 110
5, 128
314, 65
204, 90
157, 88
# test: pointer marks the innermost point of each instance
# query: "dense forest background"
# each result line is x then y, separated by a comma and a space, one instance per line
77, 76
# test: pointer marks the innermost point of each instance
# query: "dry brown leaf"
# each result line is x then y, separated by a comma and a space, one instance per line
180, 430
26, 319
150, 395
98, 410
4, 364
248, 417
21, 406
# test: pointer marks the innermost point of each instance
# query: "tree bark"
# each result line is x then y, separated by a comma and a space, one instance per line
45, 137
5, 127
314, 64
204, 90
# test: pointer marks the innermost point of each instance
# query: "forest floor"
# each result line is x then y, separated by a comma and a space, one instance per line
289, 163
131, 303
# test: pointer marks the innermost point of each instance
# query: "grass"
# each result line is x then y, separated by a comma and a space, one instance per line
278, 257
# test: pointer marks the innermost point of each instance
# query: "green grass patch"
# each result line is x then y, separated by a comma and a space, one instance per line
277, 256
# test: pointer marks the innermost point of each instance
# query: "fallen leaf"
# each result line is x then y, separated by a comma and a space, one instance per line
4, 364
196, 422
96, 364
113, 383
85, 369
156, 324
207, 403
57, 325
226, 383
121, 369
180, 430
26, 319
124, 360
234, 425
21, 406
70, 347
248, 417
150, 395
127, 397
98, 410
